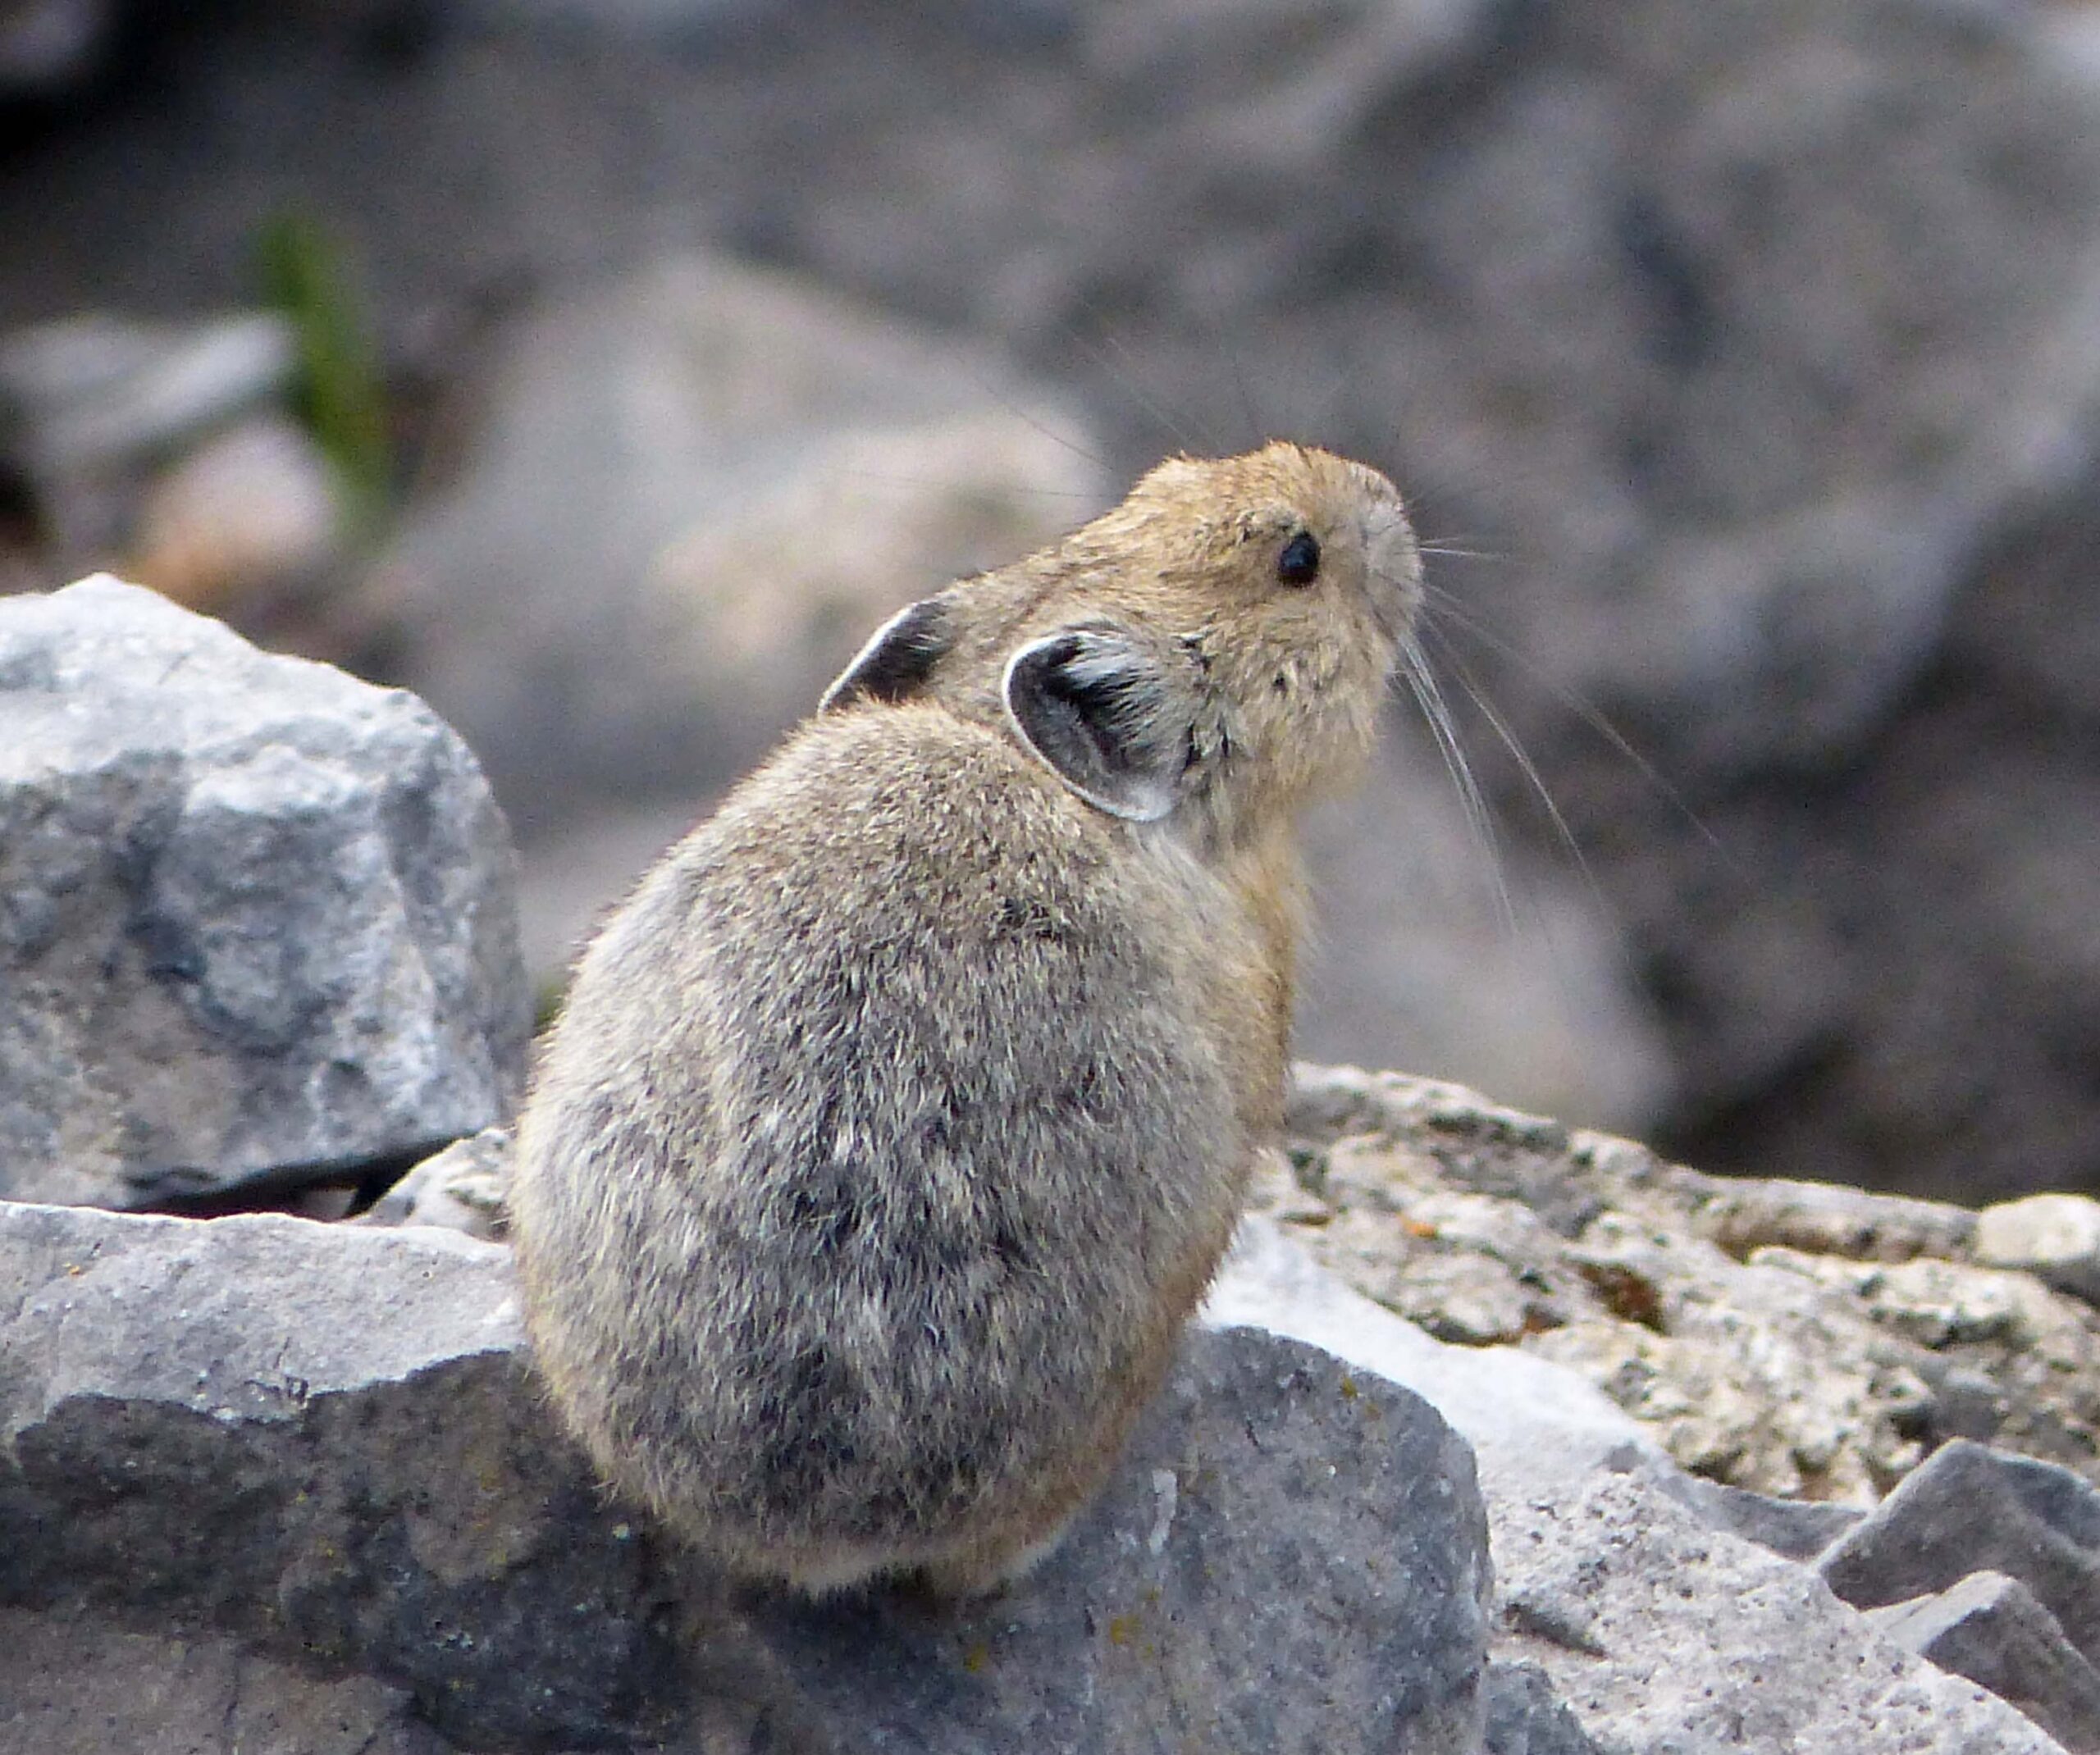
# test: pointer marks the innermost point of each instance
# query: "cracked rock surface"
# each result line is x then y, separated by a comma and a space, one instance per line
1802, 1340
257, 919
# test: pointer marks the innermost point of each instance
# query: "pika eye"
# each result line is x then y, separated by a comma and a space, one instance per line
1299, 563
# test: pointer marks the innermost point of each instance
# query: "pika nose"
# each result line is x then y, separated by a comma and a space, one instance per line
1391, 560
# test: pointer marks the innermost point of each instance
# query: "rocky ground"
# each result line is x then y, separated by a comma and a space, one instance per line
1565, 1449
1803, 1339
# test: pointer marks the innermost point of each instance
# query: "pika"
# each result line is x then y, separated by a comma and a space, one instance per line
896, 1124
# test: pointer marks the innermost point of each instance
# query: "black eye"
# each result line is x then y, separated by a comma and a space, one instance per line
1299, 563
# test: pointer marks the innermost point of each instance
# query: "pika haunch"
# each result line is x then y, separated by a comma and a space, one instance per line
895, 1125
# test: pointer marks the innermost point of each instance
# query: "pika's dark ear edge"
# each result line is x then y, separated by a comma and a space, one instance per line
898, 659
1104, 715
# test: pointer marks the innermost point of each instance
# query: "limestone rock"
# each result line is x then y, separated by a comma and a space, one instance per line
1797, 1528
1990, 1629
2055, 1237
1531, 1423
256, 511
90, 406
79, 1685
256, 919
320, 1443
1791, 1340
1828, 1219
1632, 1615
1525, 1717
1665, 1635
1191, 1608
1971, 1509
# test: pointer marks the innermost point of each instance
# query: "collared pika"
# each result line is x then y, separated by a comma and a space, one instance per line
896, 1121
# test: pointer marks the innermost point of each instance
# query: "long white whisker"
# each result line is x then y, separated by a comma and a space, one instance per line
1529, 768
1436, 710
1448, 609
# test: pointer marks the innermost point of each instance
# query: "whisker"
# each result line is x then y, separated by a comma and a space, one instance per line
1529, 768
1422, 683
888, 480
1063, 441
1448, 609
1220, 347
1126, 381
1250, 416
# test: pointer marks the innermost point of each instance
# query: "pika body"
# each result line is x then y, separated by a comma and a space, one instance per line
895, 1125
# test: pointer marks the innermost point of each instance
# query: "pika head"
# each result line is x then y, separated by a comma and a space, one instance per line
1216, 644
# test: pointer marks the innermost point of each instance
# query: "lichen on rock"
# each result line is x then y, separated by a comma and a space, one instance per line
1796, 1339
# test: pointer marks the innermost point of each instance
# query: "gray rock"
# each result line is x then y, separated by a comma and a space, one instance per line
1799, 1342
1971, 1509
1634, 1617
1665, 1636
321, 1442
1531, 1423
256, 919
2055, 1237
1745, 1213
1525, 1717
99, 392
77, 1685
1796, 1529
255, 517
1990, 1629
1190, 1608
91, 405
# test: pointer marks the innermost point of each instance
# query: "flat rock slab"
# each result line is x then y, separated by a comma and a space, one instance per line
1665, 1637
257, 919
321, 1443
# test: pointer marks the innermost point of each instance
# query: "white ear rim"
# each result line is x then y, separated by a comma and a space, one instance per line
1149, 800
853, 681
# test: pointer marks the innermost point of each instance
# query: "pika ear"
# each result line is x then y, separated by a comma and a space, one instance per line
1107, 717
897, 658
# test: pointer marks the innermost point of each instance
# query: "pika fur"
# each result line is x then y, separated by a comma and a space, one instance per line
896, 1124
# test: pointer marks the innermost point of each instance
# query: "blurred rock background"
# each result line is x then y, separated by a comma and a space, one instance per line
605, 370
